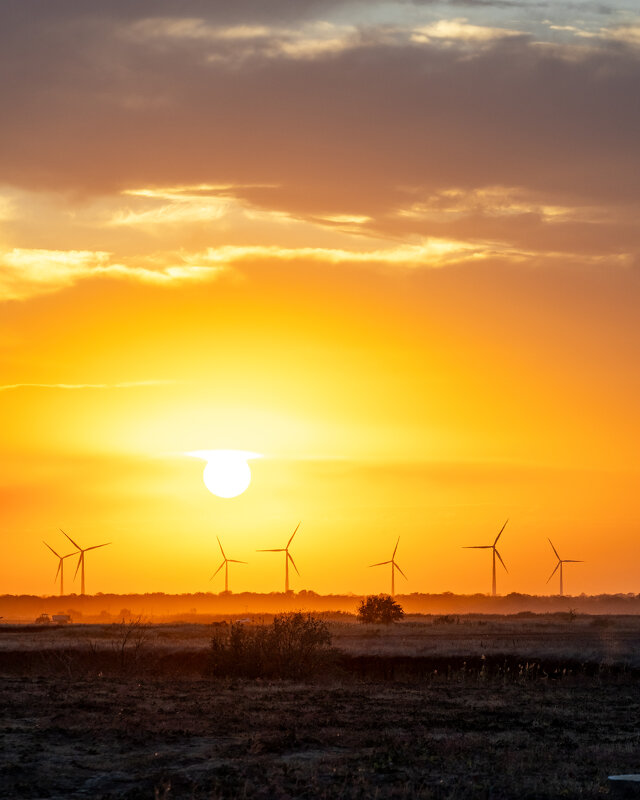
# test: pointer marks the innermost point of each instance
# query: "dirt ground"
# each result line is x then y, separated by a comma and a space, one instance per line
446, 730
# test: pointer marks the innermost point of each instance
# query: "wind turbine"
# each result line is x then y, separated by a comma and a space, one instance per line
225, 563
561, 561
60, 566
394, 567
287, 558
82, 551
495, 553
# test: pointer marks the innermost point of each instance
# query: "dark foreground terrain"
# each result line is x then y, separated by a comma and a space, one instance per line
431, 725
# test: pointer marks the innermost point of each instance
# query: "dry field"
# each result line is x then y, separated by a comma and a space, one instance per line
484, 707
597, 639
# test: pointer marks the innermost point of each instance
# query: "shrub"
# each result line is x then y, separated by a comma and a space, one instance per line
295, 644
130, 642
446, 619
380, 608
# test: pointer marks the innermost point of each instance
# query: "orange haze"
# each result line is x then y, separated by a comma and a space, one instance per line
224, 230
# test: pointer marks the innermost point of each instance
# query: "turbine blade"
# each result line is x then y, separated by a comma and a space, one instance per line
400, 571
279, 550
293, 534
573, 561
500, 534
477, 547
380, 564
96, 546
58, 570
70, 539
292, 561
501, 561
221, 550
235, 561
554, 549
395, 549
52, 550
217, 571
554, 572
78, 565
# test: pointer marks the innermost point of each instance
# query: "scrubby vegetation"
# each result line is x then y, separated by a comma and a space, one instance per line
294, 645
380, 608
440, 709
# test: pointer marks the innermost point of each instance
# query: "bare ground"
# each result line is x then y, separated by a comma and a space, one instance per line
459, 726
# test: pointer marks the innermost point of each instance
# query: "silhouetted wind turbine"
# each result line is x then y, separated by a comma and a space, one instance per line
82, 551
561, 561
495, 553
225, 563
60, 566
394, 567
287, 558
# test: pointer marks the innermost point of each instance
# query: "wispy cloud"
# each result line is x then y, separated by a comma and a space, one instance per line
461, 30
628, 34
25, 273
28, 273
71, 386
236, 42
180, 205
429, 253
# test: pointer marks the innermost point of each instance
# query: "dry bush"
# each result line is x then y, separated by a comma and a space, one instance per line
293, 646
130, 643
446, 619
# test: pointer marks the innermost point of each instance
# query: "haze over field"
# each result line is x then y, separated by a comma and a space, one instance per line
390, 247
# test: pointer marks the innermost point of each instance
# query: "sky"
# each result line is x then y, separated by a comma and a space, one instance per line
392, 247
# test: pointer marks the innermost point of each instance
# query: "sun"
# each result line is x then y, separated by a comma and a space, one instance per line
227, 473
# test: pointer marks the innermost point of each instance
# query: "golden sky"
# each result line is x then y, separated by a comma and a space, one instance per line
390, 246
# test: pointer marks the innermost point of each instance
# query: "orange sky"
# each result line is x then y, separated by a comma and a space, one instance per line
391, 247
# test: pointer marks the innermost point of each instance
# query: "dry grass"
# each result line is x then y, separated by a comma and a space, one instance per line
399, 727
197, 739
614, 639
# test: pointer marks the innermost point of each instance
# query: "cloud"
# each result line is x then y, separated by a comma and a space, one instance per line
429, 254
337, 133
423, 231
516, 219
72, 386
234, 119
26, 273
238, 42
172, 207
460, 30
628, 34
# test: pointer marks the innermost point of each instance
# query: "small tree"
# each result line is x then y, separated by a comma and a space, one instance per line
380, 608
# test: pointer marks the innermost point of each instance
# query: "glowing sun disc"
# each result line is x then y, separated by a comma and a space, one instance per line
227, 473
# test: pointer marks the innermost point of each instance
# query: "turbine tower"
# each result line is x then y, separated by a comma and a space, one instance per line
287, 558
82, 551
225, 563
394, 567
495, 553
561, 561
60, 566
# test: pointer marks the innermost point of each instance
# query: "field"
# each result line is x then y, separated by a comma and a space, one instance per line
452, 707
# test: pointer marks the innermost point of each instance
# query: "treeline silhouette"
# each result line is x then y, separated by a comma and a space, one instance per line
205, 606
